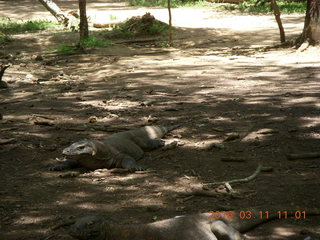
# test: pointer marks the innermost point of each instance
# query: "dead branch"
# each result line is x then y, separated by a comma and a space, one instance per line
55, 10
200, 192
233, 159
242, 180
294, 156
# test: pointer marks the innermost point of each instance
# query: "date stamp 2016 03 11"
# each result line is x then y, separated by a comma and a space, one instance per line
247, 214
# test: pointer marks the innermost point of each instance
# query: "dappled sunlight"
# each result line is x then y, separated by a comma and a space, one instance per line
282, 231
31, 220
310, 121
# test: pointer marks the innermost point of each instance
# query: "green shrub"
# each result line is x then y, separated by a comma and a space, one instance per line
264, 7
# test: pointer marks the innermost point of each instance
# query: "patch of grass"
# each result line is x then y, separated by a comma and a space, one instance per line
4, 38
74, 48
264, 7
93, 41
8, 26
174, 3
66, 50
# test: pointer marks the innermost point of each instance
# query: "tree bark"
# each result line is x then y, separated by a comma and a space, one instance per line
84, 29
311, 29
276, 13
170, 22
55, 11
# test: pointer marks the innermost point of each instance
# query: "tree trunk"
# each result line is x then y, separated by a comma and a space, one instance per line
311, 30
276, 13
55, 11
84, 31
170, 22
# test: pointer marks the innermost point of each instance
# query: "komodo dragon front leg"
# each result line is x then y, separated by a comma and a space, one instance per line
122, 161
67, 164
126, 162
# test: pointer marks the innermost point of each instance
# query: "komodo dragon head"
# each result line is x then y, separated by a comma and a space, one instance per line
80, 150
90, 227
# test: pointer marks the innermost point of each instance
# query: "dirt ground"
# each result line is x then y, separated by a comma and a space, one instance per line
216, 80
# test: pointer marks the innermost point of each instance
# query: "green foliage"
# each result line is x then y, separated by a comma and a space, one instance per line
174, 3
112, 17
66, 50
93, 41
8, 26
264, 7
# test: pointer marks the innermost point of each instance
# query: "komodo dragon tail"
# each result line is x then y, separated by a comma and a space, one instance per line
155, 132
245, 219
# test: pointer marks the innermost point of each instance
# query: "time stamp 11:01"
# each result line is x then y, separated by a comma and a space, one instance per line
247, 214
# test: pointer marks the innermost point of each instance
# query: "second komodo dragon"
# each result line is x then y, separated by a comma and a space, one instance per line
204, 226
120, 150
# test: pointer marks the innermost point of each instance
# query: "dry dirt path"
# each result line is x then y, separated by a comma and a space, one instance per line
254, 30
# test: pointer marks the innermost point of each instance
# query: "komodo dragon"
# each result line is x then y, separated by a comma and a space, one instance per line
120, 150
227, 226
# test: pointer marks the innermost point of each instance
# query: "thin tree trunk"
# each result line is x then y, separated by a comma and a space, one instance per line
170, 23
84, 29
55, 11
277, 14
311, 29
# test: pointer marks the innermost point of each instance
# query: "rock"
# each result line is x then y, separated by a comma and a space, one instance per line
29, 76
231, 137
93, 119
38, 58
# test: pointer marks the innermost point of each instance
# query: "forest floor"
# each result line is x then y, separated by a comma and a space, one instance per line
219, 78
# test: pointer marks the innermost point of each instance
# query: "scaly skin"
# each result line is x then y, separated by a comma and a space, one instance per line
227, 226
120, 150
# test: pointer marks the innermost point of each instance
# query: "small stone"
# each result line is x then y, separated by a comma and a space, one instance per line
79, 98
153, 208
29, 76
38, 58
9, 56
148, 103
93, 119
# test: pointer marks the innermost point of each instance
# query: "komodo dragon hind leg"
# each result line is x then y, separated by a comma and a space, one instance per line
130, 163
222, 231
149, 144
68, 164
